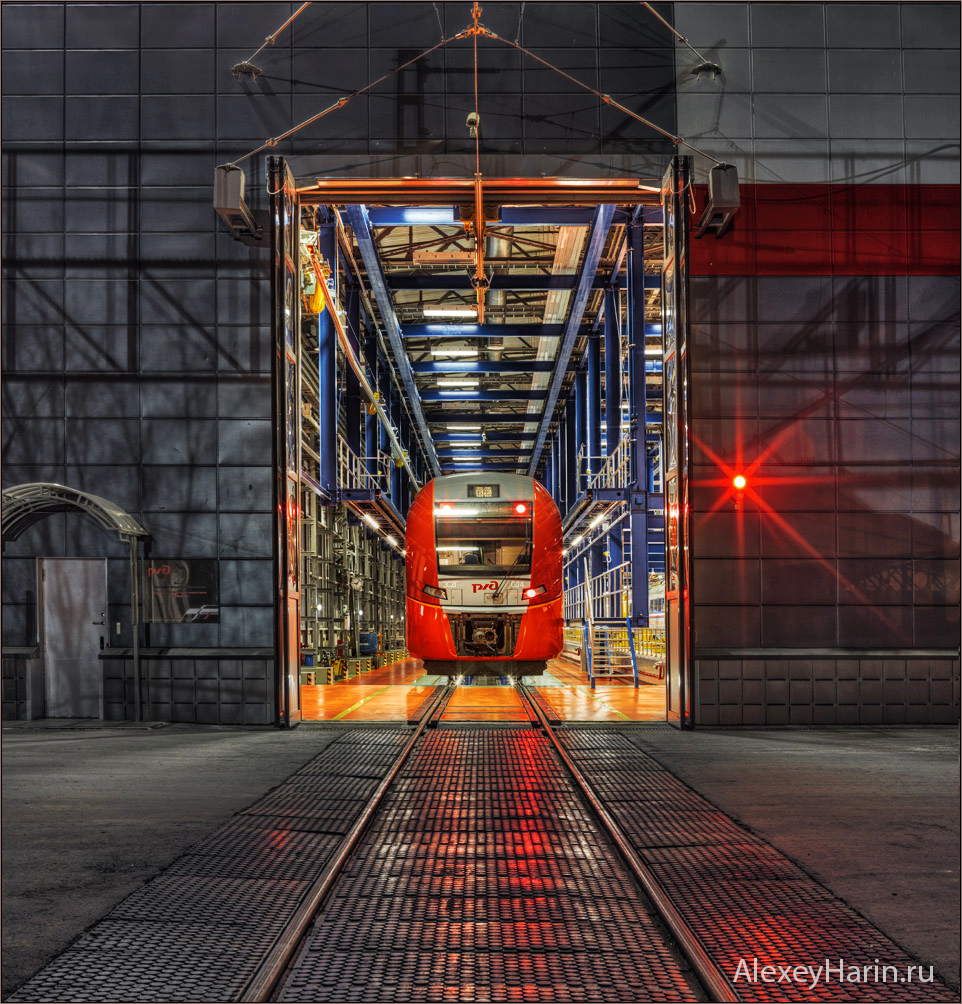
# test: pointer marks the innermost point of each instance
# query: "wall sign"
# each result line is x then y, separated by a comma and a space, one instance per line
181, 590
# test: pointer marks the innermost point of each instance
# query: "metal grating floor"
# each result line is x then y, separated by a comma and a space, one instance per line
484, 877
199, 931
743, 898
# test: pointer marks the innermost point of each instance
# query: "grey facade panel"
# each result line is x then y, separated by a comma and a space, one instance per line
865, 71
180, 442
777, 24
851, 24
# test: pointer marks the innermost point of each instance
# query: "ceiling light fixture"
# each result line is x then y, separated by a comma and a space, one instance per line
449, 312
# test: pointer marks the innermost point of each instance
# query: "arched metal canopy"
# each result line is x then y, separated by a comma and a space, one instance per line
24, 505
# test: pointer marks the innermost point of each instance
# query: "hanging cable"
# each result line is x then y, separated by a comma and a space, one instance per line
247, 65
517, 37
341, 102
480, 281
706, 64
607, 98
440, 23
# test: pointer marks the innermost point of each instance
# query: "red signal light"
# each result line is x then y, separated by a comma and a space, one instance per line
520, 508
739, 481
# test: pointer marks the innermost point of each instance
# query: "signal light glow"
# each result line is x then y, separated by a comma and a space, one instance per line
531, 593
520, 508
739, 481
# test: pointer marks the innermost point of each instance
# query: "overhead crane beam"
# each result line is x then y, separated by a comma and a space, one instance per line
481, 366
508, 280
456, 438
597, 236
458, 191
475, 418
484, 330
357, 215
508, 216
479, 396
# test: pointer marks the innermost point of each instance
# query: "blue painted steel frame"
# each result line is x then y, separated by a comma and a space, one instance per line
327, 375
358, 218
601, 224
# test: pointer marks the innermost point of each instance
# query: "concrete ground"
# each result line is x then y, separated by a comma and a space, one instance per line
871, 813
91, 814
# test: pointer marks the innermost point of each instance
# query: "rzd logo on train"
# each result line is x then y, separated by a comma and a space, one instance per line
476, 587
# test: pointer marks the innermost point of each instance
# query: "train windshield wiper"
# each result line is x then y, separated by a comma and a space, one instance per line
518, 557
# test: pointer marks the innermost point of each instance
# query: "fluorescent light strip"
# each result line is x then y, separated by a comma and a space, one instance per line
446, 312
463, 353
458, 383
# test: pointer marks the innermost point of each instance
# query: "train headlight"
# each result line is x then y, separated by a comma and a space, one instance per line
535, 591
521, 508
435, 591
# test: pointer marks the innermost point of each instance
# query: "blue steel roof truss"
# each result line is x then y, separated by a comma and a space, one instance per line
459, 450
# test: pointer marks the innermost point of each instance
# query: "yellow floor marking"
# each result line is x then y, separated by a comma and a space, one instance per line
363, 700
591, 693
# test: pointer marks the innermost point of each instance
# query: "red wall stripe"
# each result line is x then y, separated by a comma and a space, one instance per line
835, 230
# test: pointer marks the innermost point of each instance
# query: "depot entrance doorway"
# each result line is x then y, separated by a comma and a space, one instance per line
553, 354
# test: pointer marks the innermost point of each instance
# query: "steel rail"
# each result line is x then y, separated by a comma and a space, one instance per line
261, 985
707, 970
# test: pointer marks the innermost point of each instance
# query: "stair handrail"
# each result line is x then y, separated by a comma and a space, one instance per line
631, 643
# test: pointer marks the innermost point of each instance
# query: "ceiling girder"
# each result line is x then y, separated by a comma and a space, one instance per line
597, 238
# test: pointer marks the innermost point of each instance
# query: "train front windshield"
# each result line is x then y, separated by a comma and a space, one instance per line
482, 539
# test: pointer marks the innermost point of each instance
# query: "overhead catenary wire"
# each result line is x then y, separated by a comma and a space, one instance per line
341, 102
677, 34
607, 98
273, 37
480, 30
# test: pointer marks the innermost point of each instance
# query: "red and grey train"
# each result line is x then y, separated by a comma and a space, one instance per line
484, 585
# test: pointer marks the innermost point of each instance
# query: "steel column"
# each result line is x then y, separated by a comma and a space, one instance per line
593, 406
639, 564
571, 454
612, 371
636, 338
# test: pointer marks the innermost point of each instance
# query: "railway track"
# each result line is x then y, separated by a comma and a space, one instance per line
451, 860
486, 868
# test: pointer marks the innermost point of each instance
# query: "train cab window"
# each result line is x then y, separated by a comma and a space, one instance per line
491, 540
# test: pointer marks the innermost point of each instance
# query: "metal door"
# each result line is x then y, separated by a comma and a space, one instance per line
74, 632
674, 308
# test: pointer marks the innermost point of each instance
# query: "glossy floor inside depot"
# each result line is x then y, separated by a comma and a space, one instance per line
393, 693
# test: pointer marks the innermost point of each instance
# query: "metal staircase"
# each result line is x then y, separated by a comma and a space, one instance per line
610, 653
